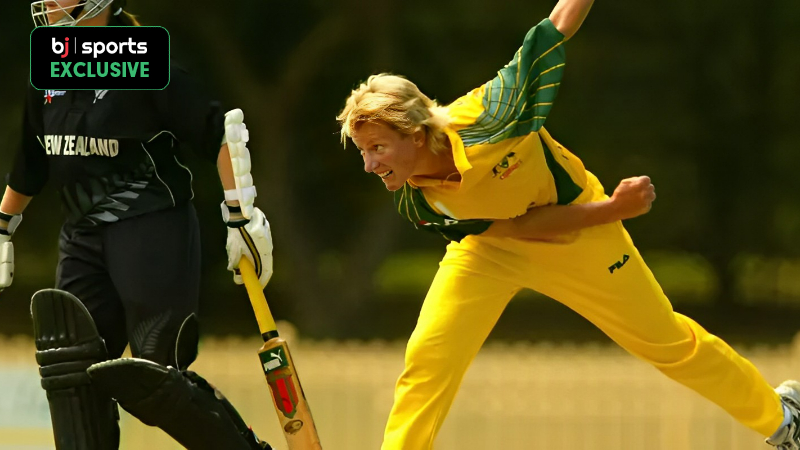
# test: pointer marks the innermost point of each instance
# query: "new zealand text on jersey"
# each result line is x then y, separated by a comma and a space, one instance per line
55, 144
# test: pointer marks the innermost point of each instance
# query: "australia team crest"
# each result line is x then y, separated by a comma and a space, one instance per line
507, 166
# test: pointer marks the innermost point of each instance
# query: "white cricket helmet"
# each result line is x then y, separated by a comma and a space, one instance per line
84, 9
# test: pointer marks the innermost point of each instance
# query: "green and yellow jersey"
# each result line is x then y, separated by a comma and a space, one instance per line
507, 161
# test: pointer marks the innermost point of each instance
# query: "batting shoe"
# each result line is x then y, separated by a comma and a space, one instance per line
788, 437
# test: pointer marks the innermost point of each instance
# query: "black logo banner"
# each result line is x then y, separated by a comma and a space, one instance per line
74, 58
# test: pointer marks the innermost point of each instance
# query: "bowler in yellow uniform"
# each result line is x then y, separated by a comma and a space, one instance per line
522, 212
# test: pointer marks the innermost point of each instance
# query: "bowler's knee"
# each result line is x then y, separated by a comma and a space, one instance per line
678, 350
431, 358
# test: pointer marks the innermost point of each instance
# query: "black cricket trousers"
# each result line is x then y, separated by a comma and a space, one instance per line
139, 278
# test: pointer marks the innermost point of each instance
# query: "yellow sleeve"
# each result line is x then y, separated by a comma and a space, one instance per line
517, 101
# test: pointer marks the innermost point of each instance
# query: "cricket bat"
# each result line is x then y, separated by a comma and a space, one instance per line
276, 361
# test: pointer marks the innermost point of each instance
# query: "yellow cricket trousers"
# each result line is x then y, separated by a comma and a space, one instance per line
478, 277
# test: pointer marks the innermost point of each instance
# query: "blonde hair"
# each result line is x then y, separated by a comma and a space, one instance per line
399, 103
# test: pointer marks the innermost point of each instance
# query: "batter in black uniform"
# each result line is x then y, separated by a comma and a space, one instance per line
129, 252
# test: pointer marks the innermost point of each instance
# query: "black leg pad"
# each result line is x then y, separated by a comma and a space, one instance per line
67, 343
182, 404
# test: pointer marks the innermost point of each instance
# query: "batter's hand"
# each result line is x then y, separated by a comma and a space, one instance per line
8, 224
633, 197
250, 239
6, 261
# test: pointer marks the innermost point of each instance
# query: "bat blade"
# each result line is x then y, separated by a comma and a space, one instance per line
288, 397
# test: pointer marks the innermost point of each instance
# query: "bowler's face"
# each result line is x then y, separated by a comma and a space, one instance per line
387, 153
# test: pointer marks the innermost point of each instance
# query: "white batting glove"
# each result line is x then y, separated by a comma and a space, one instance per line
249, 238
8, 224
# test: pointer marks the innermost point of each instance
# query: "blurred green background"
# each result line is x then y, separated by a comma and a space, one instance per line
701, 96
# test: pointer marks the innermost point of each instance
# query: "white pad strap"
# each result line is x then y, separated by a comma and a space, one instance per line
11, 221
236, 135
233, 195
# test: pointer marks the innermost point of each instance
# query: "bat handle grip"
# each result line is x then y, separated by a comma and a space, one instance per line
266, 323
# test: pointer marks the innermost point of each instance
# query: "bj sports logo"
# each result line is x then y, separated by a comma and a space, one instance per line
99, 58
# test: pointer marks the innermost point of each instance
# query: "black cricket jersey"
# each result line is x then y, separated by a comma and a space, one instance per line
114, 154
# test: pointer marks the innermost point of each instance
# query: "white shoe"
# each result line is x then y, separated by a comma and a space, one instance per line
789, 437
